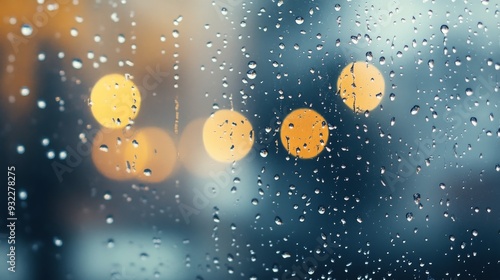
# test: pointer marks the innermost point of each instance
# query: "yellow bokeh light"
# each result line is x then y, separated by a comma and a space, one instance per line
304, 133
108, 154
192, 153
151, 154
227, 136
361, 86
115, 101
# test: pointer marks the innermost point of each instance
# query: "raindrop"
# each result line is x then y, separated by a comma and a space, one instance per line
369, 56
57, 241
469, 91
107, 196
251, 74
278, 221
416, 198
20, 149
109, 219
104, 148
252, 64
393, 121
474, 233
444, 29
147, 172
26, 30
442, 186
25, 91
121, 38
473, 121
286, 255
409, 216
263, 153
144, 256
23, 195
299, 20
414, 110
77, 63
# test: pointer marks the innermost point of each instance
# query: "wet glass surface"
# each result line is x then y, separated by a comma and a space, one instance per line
250, 139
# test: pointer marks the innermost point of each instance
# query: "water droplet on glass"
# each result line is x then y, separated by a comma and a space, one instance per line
23, 195
414, 110
57, 241
469, 91
263, 153
252, 64
442, 186
144, 256
77, 63
299, 20
103, 148
107, 196
25, 91
111, 243
409, 216
278, 221
473, 121
251, 74
20, 149
26, 30
147, 172
109, 219
121, 38
444, 29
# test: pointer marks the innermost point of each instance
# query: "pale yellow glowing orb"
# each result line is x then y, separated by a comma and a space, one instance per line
304, 133
192, 152
108, 154
361, 86
115, 101
227, 136
151, 154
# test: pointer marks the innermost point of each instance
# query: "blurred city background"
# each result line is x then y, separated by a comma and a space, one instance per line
251, 140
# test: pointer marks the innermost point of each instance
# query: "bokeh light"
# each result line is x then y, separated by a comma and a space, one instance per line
304, 133
152, 155
115, 101
192, 153
227, 136
361, 86
108, 154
